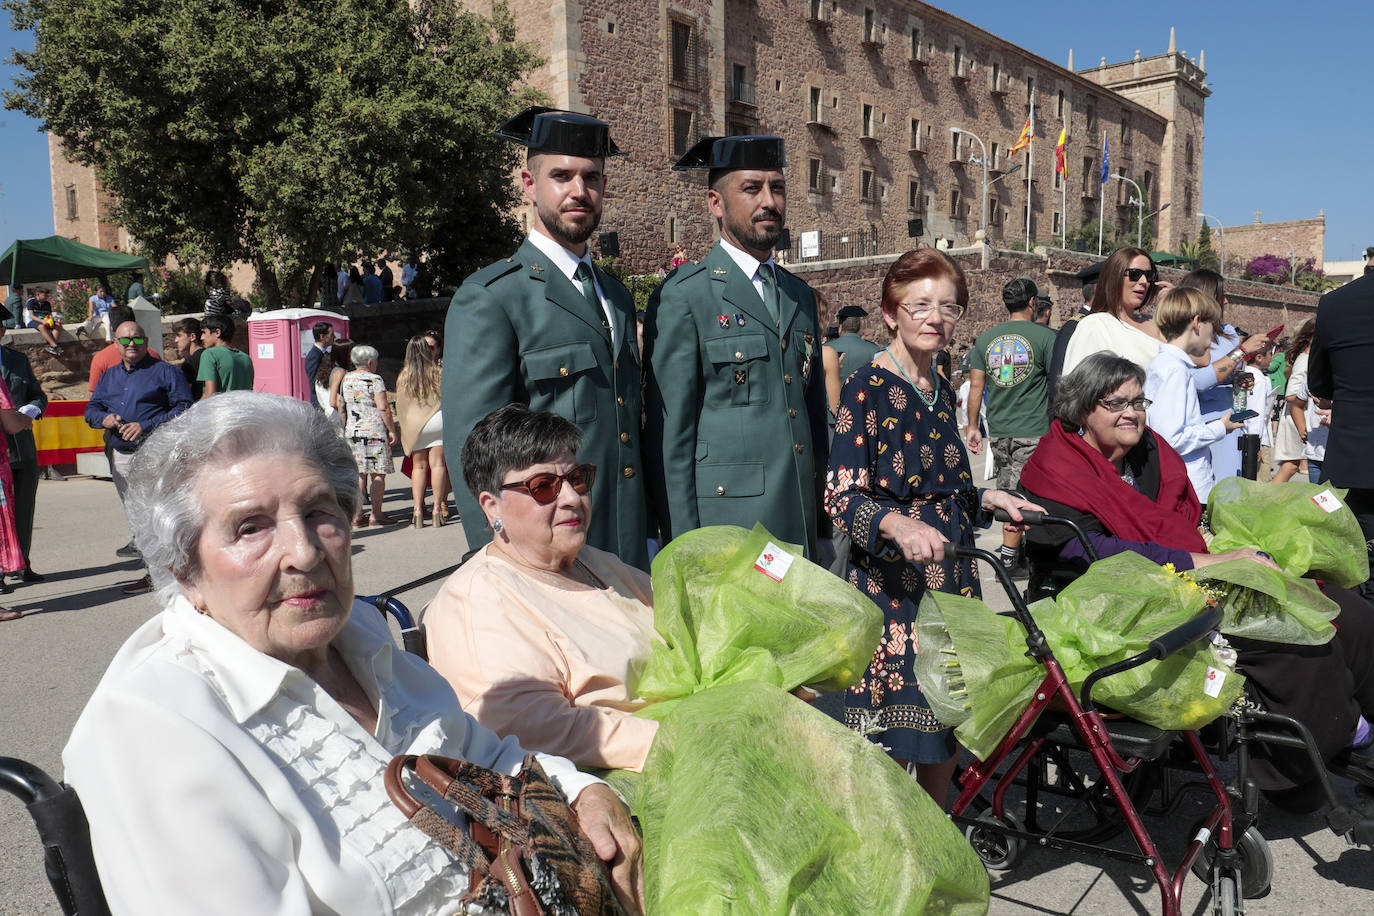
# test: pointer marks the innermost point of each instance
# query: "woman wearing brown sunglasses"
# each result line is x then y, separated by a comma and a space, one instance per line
1129, 282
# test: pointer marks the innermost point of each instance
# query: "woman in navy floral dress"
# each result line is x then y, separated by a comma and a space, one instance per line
899, 485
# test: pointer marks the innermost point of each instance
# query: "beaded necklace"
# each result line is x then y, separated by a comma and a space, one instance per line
935, 382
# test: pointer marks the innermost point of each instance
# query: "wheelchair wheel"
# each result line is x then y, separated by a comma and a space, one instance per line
1256, 861
998, 851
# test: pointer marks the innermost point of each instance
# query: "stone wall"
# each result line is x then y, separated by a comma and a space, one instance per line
1245, 243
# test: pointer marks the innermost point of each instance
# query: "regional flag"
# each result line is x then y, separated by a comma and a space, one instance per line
1024, 140
1106, 162
1059, 165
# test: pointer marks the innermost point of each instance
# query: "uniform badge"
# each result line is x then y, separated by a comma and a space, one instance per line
741, 376
536, 267
723, 320
806, 369
739, 319
719, 272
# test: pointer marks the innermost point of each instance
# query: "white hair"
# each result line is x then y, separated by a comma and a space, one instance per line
363, 356
172, 469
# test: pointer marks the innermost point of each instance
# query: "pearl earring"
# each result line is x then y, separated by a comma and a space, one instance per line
496, 525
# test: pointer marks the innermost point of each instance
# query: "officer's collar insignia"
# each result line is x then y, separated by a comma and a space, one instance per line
536, 267
720, 272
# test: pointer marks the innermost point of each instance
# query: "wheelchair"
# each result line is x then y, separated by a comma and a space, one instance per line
1128, 764
63, 830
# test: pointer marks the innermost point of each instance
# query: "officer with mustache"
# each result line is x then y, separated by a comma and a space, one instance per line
736, 420
546, 328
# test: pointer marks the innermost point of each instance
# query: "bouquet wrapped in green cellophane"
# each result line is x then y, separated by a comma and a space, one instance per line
973, 669
751, 800
1306, 527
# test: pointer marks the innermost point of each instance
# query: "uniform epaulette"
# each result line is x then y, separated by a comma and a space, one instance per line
494, 271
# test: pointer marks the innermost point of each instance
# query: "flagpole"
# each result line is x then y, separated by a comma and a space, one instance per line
1064, 198
1030, 169
1101, 203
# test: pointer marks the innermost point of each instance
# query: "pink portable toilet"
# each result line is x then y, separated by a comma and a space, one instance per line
278, 342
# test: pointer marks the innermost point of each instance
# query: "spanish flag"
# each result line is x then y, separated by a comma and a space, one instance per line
1059, 165
1024, 140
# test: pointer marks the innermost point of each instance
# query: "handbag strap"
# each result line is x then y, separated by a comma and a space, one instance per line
439, 828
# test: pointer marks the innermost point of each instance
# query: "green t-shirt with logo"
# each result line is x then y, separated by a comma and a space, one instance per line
1015, 356
229, 369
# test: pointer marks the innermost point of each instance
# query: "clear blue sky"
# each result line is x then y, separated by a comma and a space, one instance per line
1288, 123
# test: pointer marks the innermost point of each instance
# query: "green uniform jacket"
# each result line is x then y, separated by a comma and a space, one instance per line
520, 331
736, 428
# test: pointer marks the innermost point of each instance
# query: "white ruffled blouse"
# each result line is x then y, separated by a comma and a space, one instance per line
218, 779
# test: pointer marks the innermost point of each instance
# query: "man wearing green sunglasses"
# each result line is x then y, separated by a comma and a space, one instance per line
132, 399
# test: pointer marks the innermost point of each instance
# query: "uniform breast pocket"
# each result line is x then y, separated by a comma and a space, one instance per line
740, 366
563, 379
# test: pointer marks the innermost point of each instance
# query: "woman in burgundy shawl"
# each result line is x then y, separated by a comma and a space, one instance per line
1101, 466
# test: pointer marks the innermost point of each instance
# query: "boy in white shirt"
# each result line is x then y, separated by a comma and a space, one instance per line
1186, 318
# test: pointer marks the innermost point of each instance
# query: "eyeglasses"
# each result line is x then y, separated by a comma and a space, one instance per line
1117, 405
948, 310
1135, 273
544, 488
131, 341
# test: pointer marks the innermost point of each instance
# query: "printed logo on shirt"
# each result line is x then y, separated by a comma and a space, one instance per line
1010, 359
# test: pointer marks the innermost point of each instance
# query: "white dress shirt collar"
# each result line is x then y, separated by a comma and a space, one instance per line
567, 262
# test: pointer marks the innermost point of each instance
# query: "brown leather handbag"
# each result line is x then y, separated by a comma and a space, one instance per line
522, 847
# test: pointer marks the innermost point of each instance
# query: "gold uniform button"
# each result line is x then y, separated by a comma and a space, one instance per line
563, 370
617, 364
620, 401
792, 412
629, 472
784, 343
624, 437
799, 448
739, 354
720, 491
787, 378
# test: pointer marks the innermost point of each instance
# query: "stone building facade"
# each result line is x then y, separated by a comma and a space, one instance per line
882, 104
1245, 243
81, 207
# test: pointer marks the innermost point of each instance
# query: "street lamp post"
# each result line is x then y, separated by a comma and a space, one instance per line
1292, 259
983, 219
1221, 232
1139, 201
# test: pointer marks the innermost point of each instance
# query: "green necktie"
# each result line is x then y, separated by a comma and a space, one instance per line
770, 290
584, 276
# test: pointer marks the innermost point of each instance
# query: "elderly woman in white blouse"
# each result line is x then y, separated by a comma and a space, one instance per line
231, 759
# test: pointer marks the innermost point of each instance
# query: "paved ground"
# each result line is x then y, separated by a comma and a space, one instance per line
74, 622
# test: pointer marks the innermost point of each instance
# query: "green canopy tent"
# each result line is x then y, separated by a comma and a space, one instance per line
57, 258
1165, 259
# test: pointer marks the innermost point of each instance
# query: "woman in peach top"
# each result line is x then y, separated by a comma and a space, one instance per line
538, 633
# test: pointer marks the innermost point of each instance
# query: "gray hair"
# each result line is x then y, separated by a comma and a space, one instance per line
512, 438
363, 356
165, 483
1099, 375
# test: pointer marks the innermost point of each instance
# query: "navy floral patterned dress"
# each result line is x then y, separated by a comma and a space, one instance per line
892, 453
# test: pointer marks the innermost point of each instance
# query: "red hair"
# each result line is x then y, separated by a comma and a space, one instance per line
923, 264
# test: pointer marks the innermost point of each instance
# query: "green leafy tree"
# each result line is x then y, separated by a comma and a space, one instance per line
1200, 250
285, 134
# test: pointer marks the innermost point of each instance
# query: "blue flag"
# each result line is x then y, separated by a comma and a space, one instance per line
1106, 162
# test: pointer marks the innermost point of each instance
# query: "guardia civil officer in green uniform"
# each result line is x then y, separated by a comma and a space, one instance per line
736, 395
547, 329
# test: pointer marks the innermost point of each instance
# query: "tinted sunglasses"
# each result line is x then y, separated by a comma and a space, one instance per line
131, 341
546, 487
1135, 273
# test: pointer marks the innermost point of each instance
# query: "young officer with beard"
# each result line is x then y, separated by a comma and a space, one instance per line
736, 416
545, 328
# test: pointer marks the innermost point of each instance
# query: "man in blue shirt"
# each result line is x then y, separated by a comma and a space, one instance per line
132, 399
372, 284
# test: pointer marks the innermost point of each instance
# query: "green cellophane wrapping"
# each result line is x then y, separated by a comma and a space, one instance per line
1109, 613
753, 802
1269, 604
722, 620
1286, 523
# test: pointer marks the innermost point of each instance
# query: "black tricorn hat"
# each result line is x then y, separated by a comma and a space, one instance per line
851, 311
1090, 273
728, 153
551, 130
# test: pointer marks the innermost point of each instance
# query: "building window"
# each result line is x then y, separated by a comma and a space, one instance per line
994, 156
954, 140
870, 26
1030, 90
813, 113
1188, 151
71, 203
1092, 115
1058, 222
683, 54
682, 131
741, 89
737, 129
1058, 179
954, 204
1145, 185
867, 187
816, 11
996, 76
916, 44
1188, 200
868, 122
913, 195
1090, 174
958, 61
1120, 185
671, 232
1125, 129
1060, 112
914, 138
815, 176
